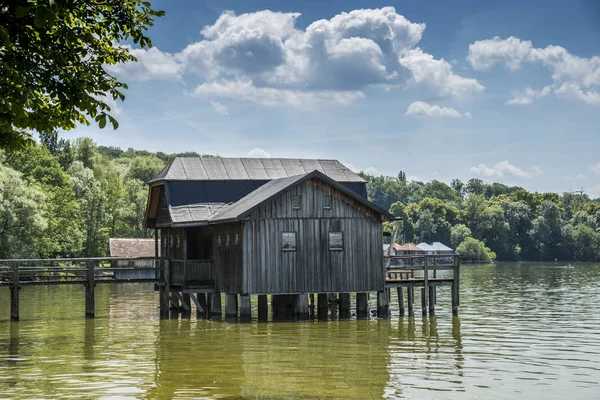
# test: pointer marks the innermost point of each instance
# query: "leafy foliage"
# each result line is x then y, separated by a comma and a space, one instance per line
52, 58
508, 221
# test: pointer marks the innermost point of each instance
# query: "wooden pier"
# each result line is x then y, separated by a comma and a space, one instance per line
187, 285
69, 271
421, 271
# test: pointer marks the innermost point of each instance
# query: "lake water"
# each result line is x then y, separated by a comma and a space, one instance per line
524, 331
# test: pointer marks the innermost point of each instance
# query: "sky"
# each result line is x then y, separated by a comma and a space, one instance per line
505, 91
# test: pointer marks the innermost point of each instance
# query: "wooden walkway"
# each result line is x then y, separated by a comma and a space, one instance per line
421, 271
69, 271
180, 286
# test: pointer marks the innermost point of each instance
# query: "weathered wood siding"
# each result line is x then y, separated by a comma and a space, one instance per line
312, 267
228, 257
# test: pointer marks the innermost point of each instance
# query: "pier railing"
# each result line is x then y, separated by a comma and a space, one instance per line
421, 270
192, 271
16, 273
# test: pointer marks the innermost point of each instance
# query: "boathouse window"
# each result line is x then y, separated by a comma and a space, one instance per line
219, 243
288, 240
178, 243
327, 201
227, 240
336, 241
296, 201
236, 239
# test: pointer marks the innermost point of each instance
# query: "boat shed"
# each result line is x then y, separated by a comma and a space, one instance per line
267, 226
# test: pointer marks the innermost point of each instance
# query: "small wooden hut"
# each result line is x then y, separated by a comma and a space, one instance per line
141, 252
267, 226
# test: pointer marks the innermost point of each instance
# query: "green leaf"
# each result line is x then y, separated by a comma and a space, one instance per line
22, 11
114, 122
43, 15
101, 120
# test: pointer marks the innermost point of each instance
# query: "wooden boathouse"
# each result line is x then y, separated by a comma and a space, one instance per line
266, 226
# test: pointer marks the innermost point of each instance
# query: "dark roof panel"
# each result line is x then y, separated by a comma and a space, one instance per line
217, 168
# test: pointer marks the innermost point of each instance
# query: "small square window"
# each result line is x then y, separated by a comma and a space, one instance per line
336, 241
288, 240
227, 239
327, 201
296, 201
236, 239
219, 243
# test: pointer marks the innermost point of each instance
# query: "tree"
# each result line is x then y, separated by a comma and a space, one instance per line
441, 191
458, 234
52, 68
474, 250
144, 168
21, 214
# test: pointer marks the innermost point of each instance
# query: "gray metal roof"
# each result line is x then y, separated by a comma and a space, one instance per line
244, 206
191, 213
131, 247
219, 168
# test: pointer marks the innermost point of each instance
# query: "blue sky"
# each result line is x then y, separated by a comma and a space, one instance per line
505, 91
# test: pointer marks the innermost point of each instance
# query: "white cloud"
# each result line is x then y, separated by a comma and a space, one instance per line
219, 108
573, 77
581, 177
437, 75
526, 97
502, 168
263, 57
595, 168
246, 91
422, 109
259, 153
371, 171
151, 64
468, 115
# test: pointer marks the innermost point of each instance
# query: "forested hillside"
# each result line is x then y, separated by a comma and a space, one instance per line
486, 221
65, 199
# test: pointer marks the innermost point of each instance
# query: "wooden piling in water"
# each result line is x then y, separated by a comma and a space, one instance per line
245, 307
263, 308
323, 306
383, 305
215, 304
165, 290
186, 305
301, 306
410, 297
344, 302
362, 305
89, 290
432, 300
400, 301
14, 293
231, 305
423, 302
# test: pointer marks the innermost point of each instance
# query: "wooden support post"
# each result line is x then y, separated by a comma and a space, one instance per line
311, 305
89, 290
185, 256
344, 299
323, 306
410, 297
201, 306
400, 301
263, 308
231, 305
425, 285
301, 306
383, 305
431, 300
14, 293
362, 305
245, 307
215, 304
166, 290
454, 300
457, 280
187, 304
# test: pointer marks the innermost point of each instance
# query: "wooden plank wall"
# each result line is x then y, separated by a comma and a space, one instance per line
228, 258
313, 267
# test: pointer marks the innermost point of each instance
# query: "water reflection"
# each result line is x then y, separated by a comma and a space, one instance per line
524, 331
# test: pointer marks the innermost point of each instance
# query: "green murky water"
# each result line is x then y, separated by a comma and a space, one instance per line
525, 331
